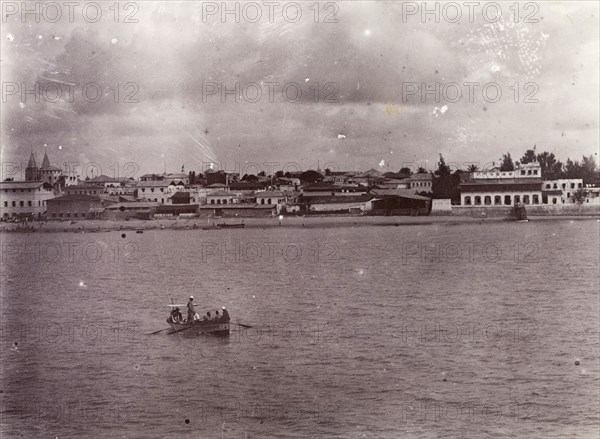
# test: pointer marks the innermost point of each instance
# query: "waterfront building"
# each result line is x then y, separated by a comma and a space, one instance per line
76, 206
561, 191
503, 188
25, 198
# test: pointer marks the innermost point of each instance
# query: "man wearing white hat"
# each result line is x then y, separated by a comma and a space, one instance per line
190, 309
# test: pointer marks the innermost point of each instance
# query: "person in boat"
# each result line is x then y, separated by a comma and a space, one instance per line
176, 316
190, 310
207, 317
225, 315
217, 316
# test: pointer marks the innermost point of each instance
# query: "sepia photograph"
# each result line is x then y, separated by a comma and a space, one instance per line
348, 219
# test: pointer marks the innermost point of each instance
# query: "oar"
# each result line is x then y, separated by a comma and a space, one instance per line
245, 326
160, 330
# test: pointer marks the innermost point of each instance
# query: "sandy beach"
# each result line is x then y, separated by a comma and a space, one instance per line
91, 226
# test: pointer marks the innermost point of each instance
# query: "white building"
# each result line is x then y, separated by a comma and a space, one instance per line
561, 191
503, 188
24, 198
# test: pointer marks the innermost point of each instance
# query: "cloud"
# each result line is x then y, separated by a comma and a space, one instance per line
167, 59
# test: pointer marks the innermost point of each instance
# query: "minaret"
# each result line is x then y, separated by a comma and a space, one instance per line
32, 172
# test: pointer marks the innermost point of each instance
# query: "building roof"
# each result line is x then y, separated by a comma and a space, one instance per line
216, 185
349, 199
238, 206
390, 192
75, 197
270, 194
153, 183
23, 184
502, 181
320, 187
409, 196
423, 176
134, 204
220, 194
104, 179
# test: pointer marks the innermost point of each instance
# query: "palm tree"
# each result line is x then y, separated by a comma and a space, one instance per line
473, 168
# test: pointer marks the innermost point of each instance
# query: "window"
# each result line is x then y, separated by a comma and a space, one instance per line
60, 214
554, 200
497, 199
487, 200
53, 215
554, 186
68, 214
507, 201
535, 172
529, 172
6, 204
212, 201
525, 199
467, 200
75, 214
568, 194
536, 199
579, 185
477, 200
548, 186
572, 185
517, 199
29, 203
523, 172
21, 203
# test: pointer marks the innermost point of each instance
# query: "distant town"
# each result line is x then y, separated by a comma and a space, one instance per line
537, 181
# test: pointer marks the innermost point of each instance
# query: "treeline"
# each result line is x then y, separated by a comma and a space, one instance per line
554, 169
445, 182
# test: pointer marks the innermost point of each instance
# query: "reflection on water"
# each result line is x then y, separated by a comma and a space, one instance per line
422, 331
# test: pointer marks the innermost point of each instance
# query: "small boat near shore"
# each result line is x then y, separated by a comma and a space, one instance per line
231, 226
519, 214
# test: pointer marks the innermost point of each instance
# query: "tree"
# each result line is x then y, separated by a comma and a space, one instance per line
445, 184
262, 174
579, 196
589, 173
311, 176
405, 171
507, 163
249, 178
327, 172
552, 169
443, 169
473, 168
529, 156
421, 170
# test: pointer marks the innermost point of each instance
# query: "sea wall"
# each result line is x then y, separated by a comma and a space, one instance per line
538, 210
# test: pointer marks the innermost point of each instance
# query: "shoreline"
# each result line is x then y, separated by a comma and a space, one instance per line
95, 226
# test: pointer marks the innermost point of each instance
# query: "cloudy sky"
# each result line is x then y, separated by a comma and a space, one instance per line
368, 61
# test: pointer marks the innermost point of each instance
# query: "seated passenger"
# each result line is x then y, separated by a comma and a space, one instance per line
225, 315
217, 316
176, 316
207, 317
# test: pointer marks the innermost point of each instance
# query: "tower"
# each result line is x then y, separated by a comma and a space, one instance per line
49, 173
32, 172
